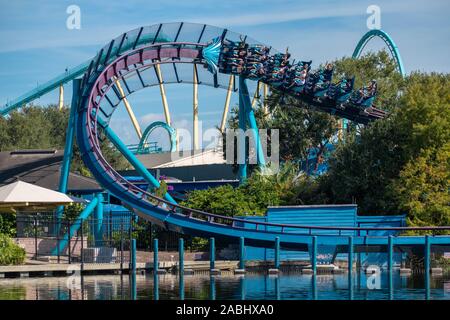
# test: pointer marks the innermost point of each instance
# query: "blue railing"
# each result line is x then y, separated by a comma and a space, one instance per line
150, 147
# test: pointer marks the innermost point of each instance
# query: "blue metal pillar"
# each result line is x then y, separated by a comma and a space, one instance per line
391, 266
314, 255
314, 286
181, 285
140, 168
242, 148
277, 288
155, 256
75, 226
68, 148
212, 288
212, 253
427, 264
133, 286
350, 267
155, 270
277, 252
133, 256
244, 97
181, 256
242, 287
98, 221
155, 286
241, 253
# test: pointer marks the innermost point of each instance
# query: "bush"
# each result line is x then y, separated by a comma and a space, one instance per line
10, 253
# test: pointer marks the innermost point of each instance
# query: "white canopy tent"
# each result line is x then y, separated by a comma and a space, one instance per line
20, 195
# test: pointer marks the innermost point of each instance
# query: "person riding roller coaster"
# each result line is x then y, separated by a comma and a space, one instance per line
364, 97
341, 91
297, 76
319, 81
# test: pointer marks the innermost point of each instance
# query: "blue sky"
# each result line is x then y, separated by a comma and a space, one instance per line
35, 44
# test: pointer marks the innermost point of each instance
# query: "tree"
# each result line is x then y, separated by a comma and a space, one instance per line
365, 166
422, 188
35, 127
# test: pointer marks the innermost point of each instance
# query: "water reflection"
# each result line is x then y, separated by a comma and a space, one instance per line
227, 286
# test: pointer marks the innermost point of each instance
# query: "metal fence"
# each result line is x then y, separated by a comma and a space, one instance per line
47, 239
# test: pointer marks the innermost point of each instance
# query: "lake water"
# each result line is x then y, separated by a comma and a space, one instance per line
226, 286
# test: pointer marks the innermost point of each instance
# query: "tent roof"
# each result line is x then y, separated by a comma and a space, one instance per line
21, 193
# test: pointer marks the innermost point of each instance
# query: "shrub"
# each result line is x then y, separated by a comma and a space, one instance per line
10, 253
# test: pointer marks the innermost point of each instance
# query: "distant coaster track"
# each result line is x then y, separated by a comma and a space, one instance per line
393, 49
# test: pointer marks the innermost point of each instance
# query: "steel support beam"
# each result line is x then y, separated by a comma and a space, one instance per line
130, 112
195, 145
134, 161
162, 90
61, 97
227, 104
68, 148
75, 226
98, 223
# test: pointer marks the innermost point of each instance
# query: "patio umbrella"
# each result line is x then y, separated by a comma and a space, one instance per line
22, 195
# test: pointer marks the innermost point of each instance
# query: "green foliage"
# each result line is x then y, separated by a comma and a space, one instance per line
253, 197
422, 188
8, 224
35, 127
10, 253
72, 211
371, 167
223, 200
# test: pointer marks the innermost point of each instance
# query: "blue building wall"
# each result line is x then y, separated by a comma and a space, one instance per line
324, 215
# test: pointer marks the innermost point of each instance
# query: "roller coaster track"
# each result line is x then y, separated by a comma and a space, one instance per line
95, 107
393, 49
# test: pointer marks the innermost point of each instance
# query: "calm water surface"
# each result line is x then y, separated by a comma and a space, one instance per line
252, 286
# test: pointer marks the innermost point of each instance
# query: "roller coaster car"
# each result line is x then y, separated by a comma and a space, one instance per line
364, 97
317, 83
341, 91
298, 76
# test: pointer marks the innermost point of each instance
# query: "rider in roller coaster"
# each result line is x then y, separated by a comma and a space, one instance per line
255, 62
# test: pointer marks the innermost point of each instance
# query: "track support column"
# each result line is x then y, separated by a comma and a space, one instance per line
68, 148
391, 266
427, 264
314, 255
98, 221
61, 97
163, 94
241, 269
181, 256
133, 256
246, 114
134, 161
155, 256
212, 257
276, 268
227, 104
350, 267
195, 145
130, 112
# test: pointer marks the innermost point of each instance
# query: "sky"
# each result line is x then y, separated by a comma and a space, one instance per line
36, 45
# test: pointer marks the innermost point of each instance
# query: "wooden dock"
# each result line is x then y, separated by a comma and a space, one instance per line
50, 269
